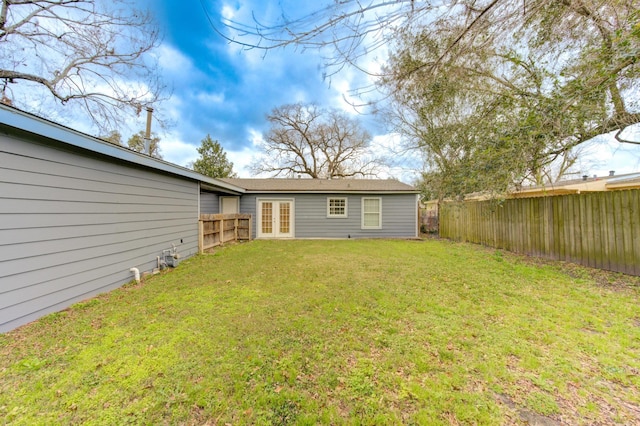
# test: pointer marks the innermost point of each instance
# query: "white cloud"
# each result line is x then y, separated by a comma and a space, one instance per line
176, 151
604, 154
400, 164
210, 97
241, 161
255, 137
173, 108
172, 61
228, 12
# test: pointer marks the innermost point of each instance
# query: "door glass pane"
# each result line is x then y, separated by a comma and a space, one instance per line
285, 213
267, 218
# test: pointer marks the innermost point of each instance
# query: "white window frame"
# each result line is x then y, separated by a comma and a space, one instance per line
346, 206
379, 225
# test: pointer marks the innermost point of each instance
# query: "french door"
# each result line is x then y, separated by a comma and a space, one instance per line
275, 218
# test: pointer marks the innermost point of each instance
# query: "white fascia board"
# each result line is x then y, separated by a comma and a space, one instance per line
14, 118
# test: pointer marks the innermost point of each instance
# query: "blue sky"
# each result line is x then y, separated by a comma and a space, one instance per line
223, 90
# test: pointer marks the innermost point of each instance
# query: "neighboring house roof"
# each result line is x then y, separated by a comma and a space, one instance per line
22, 121
624, 182
321, 185
577, 186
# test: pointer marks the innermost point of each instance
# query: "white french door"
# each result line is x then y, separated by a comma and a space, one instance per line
275, 218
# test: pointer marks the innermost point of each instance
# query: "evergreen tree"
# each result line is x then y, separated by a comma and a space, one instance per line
136, 143
113, 137
213, 160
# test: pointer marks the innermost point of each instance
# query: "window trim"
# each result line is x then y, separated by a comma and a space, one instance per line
379, 225
337, 216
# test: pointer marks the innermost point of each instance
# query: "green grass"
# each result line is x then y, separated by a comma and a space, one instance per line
337, 332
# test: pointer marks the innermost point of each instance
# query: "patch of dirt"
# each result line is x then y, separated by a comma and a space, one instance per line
525, 415
590, 331
608, 279
608, 407
610, 410
429, 235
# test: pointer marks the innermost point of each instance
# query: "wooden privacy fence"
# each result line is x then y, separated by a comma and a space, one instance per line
598, 229
217, 229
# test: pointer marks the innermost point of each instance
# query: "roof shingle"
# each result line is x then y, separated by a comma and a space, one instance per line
320, 185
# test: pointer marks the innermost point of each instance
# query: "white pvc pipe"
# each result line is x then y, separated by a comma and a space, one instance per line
136, 274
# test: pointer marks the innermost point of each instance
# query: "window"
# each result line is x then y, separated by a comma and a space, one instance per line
371, 213
336, 207
229, 205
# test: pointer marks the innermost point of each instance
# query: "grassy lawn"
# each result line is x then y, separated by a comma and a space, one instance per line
335, 332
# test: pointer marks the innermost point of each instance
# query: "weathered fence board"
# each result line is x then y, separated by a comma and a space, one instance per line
600, 229
217, 229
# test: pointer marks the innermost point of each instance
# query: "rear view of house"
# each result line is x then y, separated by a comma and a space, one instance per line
80, 216
319, 208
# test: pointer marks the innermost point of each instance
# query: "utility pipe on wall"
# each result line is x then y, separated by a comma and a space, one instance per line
147, 134
136, 274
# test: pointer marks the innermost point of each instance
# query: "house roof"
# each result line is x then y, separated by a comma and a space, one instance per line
624, 182
577, 186
322, 185
12, 118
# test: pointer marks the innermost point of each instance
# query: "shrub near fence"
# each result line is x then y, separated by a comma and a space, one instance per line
598, 229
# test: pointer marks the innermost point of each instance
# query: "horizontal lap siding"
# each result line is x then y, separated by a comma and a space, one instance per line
399, 215
72, 225
209, 203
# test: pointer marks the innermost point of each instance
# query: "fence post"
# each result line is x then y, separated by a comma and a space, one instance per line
235, 228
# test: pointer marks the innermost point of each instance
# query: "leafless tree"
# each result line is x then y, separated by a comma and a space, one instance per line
587, 47
307, 140
498, 91
347, 30
89, 53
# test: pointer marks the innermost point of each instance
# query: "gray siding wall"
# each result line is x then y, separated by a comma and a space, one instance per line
209, 203
399, 215
71, 225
